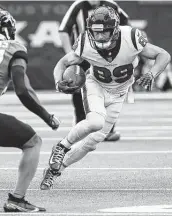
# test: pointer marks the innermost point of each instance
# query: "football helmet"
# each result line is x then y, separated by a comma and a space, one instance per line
7, 24
103, 19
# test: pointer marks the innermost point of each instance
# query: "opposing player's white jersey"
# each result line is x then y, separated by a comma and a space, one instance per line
116, 72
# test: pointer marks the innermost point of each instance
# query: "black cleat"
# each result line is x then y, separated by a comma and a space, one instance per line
113, 136
49, 177
57, 155
15, 204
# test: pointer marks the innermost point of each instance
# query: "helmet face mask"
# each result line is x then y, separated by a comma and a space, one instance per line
104, 22
7, 25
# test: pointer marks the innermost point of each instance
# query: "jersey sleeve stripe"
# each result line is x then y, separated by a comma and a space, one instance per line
82, 43
85, 100
133, 38
72, 10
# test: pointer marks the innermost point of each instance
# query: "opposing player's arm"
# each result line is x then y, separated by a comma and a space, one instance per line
161, 57
26, 94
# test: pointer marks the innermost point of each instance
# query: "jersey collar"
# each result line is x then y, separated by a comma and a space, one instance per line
110, 55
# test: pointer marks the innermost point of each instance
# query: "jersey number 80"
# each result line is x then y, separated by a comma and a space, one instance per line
121, 73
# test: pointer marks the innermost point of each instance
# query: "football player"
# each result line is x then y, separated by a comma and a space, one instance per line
14, 133
74, 23
112, 51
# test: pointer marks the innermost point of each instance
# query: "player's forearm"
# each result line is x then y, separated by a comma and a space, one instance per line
161, 62
31, 102
59, 70
66, 43
69, 59
26, 94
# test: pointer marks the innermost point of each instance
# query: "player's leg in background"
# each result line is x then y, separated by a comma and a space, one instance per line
79, 112
22, 136
113, 135
80, 149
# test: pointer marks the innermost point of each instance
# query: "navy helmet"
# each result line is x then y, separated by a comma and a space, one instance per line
7, 24
103, 18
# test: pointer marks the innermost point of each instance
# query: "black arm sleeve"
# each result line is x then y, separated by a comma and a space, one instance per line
21, 88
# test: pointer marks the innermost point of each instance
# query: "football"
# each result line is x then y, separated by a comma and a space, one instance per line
76, 74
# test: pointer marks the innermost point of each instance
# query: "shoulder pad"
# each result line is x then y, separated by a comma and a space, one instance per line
18, 46
18, 50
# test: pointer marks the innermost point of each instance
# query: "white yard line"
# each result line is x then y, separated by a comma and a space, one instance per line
99, 152
122, 138
144, 138
108, 189
90, 214
120, 128
98, 189
67, 119
101, 168
64, 113
52, 95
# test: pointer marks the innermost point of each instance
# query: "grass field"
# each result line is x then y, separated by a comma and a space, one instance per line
128, 177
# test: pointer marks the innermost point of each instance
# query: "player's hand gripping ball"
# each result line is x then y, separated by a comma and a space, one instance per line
72, 81
75, 76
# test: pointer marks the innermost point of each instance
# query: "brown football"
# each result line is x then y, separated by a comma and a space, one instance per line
76, 74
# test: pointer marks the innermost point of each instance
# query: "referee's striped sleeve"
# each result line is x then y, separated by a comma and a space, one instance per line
78, 46
67, 21
133, 38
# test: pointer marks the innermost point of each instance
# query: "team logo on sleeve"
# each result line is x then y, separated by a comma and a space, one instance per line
142, 39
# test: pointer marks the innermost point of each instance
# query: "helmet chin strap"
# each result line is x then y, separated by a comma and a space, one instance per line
6, 33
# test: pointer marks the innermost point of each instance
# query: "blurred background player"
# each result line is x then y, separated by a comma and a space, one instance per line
74, 23
14, 133
106, 85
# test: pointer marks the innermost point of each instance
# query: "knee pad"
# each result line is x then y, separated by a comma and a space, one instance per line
35, 140
96, 122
